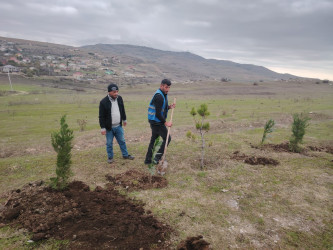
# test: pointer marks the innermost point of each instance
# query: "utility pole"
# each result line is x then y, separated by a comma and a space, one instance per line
10, 82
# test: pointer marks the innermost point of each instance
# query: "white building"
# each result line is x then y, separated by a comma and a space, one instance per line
10, 68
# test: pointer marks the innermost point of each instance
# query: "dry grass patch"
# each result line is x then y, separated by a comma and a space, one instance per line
237, 205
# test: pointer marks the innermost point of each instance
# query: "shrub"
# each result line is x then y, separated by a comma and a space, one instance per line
62, 144
300, 123
82, 124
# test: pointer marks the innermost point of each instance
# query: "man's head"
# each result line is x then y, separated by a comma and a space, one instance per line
113, 90
165, 86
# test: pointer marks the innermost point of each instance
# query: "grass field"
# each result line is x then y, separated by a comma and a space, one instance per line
231, 203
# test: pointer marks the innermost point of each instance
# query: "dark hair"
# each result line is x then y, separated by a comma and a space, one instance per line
166, 81
112, 87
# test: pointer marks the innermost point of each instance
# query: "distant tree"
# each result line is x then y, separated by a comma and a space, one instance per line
202, 127
31, 72
62, 144
11, 62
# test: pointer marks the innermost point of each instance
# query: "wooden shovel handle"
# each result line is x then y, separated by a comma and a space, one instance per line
167, 138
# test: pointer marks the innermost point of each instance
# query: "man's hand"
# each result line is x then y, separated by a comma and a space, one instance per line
168, 124
172, 106
103, 132
124, 123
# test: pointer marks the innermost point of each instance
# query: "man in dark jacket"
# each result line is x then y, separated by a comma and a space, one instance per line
111, 117
157, 114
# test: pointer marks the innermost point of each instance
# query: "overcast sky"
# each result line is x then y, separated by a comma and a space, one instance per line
287, 36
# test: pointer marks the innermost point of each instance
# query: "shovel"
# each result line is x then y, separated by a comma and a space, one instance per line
163, 165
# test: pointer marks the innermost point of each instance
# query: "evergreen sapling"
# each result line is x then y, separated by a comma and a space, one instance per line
62, 144
268, 128
300, 123
202, 127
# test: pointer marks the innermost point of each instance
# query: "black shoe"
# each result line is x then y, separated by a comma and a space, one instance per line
129, 157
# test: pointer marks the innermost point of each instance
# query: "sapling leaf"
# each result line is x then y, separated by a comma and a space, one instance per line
193, 112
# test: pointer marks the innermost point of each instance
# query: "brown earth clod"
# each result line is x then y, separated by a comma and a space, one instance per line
254, 160
194, 243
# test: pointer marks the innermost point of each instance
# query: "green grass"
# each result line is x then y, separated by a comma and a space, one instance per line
12, 239
233, 204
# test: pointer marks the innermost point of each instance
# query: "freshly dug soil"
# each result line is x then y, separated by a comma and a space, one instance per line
282, 147
99, 219
254, 160
194, 243
326, 149
136, 180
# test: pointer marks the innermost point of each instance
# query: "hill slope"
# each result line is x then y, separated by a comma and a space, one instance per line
133, 64
188, 66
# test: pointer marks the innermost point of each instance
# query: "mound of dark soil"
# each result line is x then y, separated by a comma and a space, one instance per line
194, 243
282, 147
254, 160
326, 149
136, 180
99, 219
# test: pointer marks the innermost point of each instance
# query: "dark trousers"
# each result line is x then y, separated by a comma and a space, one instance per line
156, 131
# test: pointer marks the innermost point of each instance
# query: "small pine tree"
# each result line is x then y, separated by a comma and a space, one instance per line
202, 127
268, 128
300, 123
156, 147
62, 144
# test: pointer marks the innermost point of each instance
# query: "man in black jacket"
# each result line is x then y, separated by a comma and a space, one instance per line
111, 117
157, 114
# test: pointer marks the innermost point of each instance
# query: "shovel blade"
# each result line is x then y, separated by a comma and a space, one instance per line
162, 167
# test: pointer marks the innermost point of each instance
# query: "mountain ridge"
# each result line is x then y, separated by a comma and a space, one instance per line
139, 64
193, 64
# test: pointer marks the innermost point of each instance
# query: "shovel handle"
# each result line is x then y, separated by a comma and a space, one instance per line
168, 135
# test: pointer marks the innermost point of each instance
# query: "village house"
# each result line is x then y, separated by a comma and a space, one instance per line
14, 59
37, 57
26, 60
62, 66
78, 75
9, 68
50, 57
42, 64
